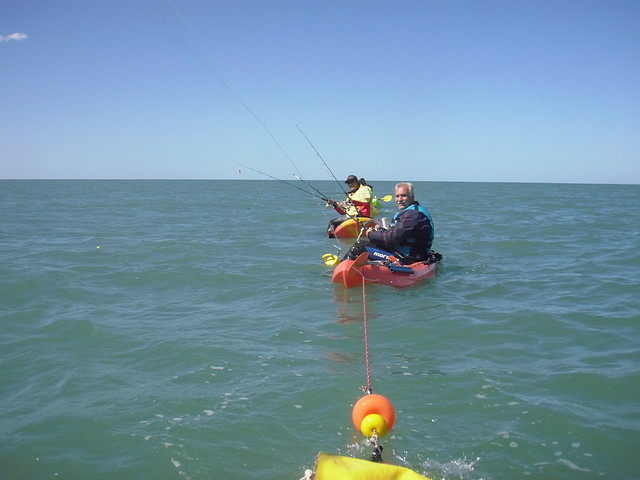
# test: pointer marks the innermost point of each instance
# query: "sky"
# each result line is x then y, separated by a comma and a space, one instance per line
419, 90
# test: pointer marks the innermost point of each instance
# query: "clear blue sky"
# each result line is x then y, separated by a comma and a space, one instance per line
517, 91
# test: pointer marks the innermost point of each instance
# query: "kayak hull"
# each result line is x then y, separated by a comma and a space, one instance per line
350, 273
351, 227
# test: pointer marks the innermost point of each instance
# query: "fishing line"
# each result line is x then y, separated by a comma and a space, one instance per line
310, 186
257, 198
323, 197
215, 70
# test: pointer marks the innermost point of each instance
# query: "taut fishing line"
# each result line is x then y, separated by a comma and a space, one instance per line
215, 72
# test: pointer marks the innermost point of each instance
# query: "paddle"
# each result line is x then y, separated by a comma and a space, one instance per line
386, 198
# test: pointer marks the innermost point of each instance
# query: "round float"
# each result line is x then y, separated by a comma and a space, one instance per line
373, 404
374, 423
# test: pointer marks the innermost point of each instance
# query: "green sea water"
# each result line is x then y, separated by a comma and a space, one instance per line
190, 330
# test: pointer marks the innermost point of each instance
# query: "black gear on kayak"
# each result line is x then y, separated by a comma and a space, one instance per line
376, 456
434, 257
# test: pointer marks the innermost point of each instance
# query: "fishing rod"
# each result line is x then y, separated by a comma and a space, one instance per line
311, 186
323, 162
334, 177
386, 198
322, 197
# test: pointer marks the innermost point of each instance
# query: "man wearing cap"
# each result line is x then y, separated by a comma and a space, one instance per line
357, 204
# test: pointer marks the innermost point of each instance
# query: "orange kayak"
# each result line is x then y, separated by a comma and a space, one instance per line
350, 273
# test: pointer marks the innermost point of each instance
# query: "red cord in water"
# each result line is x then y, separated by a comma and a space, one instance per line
367, 389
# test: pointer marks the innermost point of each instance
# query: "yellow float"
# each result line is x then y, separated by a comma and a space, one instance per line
374, 424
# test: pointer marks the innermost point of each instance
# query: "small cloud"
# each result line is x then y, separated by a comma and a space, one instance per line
14, 36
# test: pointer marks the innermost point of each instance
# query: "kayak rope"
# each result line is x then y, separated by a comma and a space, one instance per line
374, 416
367, 358
308, 474
364, 279
376, 455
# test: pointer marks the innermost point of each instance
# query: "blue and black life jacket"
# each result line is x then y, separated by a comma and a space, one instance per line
413, 245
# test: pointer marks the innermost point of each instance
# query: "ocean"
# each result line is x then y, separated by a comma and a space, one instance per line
190, 330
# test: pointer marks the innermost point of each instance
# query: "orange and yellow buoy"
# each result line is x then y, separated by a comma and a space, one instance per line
373, 414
